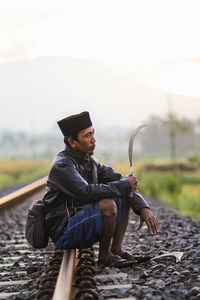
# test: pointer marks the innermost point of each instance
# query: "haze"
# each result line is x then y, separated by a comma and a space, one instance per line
121, 60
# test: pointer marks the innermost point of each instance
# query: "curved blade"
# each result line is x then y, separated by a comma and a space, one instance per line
130, 146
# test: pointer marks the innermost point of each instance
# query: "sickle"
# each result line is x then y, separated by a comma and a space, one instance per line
130, 146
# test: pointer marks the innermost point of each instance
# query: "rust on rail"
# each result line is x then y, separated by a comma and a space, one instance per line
65, 278
21, 193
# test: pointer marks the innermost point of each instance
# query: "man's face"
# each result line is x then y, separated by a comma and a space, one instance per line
86, 141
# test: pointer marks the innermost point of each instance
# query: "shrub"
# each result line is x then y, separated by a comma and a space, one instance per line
157, 185
195, 159
189, 205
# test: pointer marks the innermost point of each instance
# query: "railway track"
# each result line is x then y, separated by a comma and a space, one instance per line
20, 266
27, 273
173, 272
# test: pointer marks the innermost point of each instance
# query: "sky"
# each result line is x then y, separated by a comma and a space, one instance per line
162, 35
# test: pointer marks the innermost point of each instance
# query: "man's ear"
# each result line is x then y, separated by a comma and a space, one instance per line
71, 142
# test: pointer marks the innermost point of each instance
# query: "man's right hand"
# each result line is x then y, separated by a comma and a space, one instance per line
133, 181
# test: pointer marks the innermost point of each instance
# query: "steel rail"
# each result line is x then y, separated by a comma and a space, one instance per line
23, 192
64, 282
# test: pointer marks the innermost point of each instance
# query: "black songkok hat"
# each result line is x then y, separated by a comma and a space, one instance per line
75, 123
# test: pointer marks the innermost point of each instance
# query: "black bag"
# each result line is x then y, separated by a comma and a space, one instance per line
35, 231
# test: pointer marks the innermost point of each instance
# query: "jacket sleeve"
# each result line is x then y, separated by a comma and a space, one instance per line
137, 202
68, 180
107, 174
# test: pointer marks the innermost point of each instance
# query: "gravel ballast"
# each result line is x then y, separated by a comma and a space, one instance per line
162, 278
166, 277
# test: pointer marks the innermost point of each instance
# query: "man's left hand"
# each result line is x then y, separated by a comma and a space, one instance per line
147, 217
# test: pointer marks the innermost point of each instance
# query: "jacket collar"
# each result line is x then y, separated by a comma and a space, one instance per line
86, 158
77, 154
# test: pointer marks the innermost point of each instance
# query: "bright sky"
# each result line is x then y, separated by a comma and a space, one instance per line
109, 31
181, 79
106, 30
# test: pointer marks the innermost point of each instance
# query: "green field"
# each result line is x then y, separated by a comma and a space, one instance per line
17, 171
178, 188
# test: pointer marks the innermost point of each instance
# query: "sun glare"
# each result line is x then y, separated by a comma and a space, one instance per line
182, 79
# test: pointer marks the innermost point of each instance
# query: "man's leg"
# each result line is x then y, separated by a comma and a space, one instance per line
108, 210
119, 233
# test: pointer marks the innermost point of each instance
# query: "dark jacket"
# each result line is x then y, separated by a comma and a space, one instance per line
75, 180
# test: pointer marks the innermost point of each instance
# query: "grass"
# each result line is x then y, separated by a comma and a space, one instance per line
178, 188
17, 171
191, 179
189, 189
181, 189
190, 206
124, 168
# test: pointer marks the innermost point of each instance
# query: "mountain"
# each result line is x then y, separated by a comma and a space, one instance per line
36, 93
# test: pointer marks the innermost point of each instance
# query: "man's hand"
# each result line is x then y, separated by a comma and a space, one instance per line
147, 217
133, 181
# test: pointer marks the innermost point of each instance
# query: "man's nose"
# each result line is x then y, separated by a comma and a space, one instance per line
93, 139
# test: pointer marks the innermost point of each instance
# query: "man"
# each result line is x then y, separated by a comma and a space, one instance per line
86, 201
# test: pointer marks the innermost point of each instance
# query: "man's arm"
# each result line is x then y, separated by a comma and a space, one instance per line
140, 207
147, 217
137, 201
67, 179
106, 174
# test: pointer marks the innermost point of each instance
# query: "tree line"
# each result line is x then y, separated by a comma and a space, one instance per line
163, 137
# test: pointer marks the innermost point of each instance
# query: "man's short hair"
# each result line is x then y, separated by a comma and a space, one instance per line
73, 136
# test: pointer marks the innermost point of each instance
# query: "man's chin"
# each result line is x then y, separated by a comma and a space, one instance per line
91, 151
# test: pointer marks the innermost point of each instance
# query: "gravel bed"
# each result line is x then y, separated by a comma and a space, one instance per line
19, 261
163, 278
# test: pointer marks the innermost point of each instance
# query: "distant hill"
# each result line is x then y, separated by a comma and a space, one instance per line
46, 89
